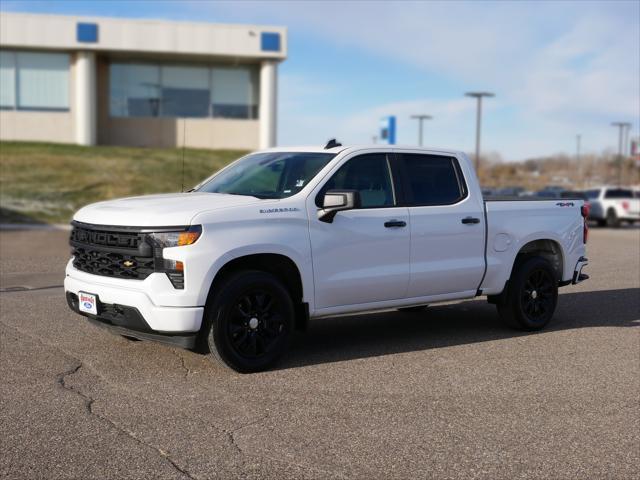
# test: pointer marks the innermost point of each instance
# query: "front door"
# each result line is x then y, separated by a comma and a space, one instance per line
363, 255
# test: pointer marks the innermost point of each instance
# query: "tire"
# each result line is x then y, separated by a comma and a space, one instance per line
416, 309
601, 223
532, 295
249, 321
612, 219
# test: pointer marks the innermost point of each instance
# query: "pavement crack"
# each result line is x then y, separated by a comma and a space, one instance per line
183, 365
26, 288
61, 378
89, 401
231, 433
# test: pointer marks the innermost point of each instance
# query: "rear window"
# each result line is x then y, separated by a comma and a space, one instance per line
433, 180
618, 193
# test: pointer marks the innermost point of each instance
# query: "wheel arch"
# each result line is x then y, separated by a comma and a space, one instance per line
547, 248
280, 266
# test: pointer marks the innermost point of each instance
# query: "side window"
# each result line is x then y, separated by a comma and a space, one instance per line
370, 175
433, 180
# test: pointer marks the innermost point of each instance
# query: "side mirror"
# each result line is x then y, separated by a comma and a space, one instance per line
335, 201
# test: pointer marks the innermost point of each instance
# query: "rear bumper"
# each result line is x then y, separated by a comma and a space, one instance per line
578, 276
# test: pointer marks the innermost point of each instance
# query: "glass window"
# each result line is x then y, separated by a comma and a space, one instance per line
592, 194
148, 90
370, 175
43, 80
234, 92
185, 91
618, 193
134, 90
7, 79
432, 180
268, 175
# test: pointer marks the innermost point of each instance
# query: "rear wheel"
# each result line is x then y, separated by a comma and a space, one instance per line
250, 320
532, 295
612, 219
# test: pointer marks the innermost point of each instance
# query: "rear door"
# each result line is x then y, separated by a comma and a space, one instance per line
447, 226
363, 255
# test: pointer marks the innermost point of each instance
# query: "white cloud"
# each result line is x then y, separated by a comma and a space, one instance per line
559, 68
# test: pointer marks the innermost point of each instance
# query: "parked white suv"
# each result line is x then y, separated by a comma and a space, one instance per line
284, 235
611, 205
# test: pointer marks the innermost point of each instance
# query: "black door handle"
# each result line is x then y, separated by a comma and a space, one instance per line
470, 220
395, 223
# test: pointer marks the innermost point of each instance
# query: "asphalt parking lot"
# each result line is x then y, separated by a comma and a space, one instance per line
448, 393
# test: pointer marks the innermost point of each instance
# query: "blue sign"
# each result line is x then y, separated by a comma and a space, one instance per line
270, 42
87, 32
388, 130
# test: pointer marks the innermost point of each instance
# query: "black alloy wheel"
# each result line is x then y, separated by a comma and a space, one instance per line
537, 296
249, 320
255, 324
531, 296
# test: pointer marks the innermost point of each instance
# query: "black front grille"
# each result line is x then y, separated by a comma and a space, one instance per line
123, 253
112, 264
127, 240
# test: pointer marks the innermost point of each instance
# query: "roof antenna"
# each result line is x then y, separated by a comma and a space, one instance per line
184, 143
332, 143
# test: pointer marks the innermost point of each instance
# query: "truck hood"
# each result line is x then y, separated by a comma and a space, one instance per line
173, 209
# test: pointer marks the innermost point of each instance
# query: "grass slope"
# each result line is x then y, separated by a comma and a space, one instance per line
42, 182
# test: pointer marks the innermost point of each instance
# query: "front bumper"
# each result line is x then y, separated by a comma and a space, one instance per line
128, 321
132, 293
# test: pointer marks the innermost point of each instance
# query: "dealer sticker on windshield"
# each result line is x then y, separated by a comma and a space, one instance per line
88, 303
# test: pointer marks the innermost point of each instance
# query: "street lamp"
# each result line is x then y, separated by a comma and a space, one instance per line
421, 119
578, 139
478, 95
622, 127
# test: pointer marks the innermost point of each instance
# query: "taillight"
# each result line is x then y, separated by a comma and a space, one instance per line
625, 205
584, 210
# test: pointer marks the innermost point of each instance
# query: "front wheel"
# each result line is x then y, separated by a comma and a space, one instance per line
250, 320
532, 295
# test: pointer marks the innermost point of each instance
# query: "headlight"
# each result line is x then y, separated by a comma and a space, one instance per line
177, 239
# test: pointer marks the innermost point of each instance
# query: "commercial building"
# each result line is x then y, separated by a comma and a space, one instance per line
138, 82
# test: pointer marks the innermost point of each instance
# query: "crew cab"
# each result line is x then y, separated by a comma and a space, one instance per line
612, 205
285, 235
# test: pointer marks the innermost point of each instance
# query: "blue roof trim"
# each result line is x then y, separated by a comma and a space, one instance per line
87, 32
270, 42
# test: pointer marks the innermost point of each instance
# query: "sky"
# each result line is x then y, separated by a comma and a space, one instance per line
558, 68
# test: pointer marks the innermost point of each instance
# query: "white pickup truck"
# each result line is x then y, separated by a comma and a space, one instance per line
284, 235
612, 205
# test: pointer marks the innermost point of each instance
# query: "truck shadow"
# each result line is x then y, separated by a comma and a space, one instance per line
361, 336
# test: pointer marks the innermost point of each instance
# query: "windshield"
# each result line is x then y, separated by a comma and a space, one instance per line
268, 175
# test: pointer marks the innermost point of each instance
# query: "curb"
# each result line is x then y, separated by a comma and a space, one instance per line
34, 226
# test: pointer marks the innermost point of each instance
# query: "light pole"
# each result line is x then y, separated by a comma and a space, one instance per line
578, 138
479, 96
622, 126
625, 148
421, 119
